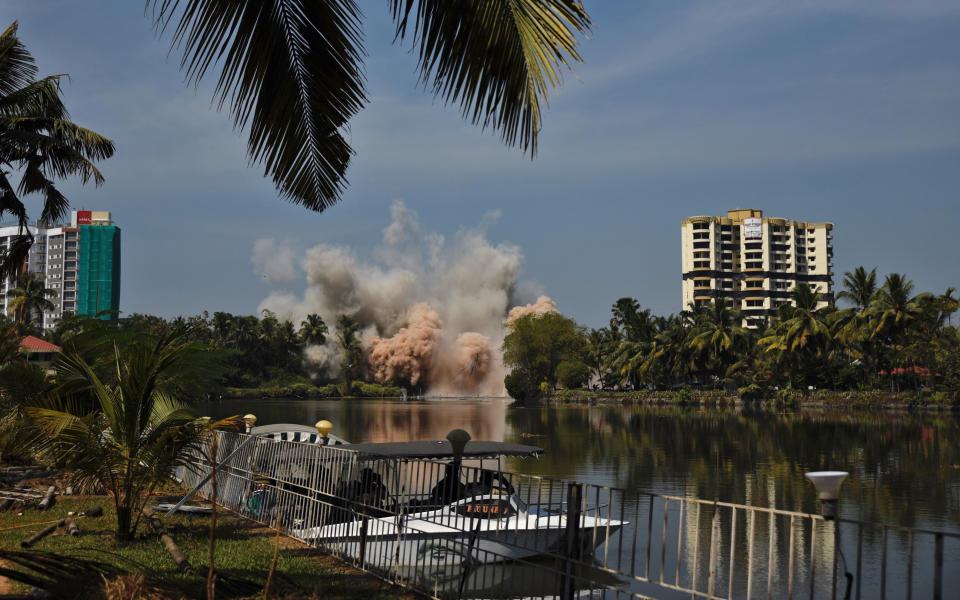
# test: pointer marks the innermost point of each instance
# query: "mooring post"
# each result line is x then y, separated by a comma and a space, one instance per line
363, 538
573, 545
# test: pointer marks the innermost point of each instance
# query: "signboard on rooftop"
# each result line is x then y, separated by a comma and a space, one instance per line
752, 228
84, 217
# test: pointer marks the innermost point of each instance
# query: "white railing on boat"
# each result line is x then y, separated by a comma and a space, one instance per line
667, 547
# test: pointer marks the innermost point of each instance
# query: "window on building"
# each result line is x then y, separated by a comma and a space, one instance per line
701, 264
699, 226
703, 235
702, 254
754, 303
753, 283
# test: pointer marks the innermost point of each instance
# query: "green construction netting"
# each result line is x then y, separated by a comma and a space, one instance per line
98, 270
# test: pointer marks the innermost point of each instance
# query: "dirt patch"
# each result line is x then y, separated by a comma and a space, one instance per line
6, 586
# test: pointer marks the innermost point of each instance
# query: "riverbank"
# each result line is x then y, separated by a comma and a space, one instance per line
359, 389
934, 401
144, 569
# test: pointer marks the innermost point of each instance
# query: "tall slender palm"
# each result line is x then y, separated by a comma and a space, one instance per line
895, 307
347, 328
859, 287
293, 71
805, 326
949, 304
716, 335
38, 141
313, 330
30, 297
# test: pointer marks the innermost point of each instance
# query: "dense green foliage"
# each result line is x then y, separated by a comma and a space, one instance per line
536, 346
264, 354
890, 339
112, 412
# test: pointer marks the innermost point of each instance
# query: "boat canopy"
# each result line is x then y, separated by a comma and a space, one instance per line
440, 449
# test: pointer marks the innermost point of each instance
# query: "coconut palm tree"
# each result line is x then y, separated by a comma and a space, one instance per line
38, 141
313, 331
717, 334
292, 70
894, 309
860, 287
29, 298
137, 432
347, 328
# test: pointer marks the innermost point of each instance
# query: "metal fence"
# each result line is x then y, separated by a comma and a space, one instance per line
560, 539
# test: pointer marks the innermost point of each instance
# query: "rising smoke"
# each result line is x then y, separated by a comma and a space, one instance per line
432, 311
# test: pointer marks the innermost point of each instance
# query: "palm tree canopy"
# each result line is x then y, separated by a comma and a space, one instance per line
30, 296
894, 306
37, 140
860, 287
293, 71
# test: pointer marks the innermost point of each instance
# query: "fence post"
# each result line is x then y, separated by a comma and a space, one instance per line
363, 539
938, 567
573, 546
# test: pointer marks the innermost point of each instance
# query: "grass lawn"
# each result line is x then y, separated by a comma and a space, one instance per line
243, 553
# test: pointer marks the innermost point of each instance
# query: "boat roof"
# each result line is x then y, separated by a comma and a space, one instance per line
295, 433
441, 449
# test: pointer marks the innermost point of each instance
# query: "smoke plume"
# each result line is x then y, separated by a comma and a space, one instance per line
542, 306
433, 312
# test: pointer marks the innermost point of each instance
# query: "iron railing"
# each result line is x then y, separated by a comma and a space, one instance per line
381, 516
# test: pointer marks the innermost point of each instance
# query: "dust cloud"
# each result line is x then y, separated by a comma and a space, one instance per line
433, 311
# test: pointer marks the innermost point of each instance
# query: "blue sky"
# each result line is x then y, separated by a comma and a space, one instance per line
842, 111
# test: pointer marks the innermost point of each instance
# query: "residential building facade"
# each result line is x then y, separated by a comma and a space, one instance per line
753, 262
79, 261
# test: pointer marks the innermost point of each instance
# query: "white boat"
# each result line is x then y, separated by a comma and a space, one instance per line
472, 515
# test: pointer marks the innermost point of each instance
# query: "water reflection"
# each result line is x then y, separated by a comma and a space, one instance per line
905, 468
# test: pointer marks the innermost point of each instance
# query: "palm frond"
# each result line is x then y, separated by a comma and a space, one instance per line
17, 67
291, 69
496, 58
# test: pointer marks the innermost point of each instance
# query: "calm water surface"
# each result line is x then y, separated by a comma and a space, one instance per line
905, 468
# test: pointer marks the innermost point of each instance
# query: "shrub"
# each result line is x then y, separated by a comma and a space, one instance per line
572, 374
519, 386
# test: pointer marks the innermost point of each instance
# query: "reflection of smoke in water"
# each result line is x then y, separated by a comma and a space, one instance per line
432, 312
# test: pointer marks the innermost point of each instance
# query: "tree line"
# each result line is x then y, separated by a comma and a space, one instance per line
252, 351
886, 337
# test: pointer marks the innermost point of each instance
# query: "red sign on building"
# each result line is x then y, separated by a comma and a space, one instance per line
83, 217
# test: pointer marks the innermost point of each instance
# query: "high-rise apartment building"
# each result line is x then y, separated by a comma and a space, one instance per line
753, 262
80, 262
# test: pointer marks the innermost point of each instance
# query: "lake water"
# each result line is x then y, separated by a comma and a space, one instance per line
904, 467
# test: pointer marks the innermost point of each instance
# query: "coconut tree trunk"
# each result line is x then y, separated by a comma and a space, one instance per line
211, 575
124, 519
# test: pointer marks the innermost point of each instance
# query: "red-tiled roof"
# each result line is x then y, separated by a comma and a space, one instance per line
35, 344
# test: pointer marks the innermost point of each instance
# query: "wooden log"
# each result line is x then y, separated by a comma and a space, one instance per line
169, 544
49, 498
33, 539
72, 528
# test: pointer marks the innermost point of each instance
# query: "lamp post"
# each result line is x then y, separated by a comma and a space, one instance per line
323, 428
458, 439
828, 490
